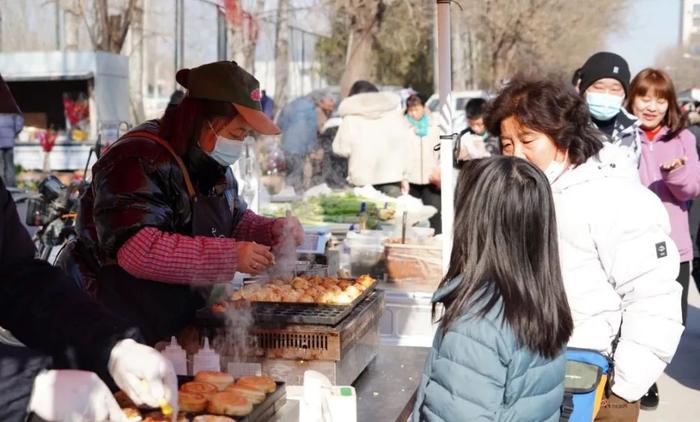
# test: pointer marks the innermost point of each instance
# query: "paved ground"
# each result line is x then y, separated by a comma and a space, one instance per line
679, 387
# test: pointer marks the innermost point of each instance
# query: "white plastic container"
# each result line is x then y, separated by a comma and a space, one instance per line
177, 356
206, 359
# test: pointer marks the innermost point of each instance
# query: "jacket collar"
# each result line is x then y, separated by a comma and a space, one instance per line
204, 170
662, 132
625, 123
609, 162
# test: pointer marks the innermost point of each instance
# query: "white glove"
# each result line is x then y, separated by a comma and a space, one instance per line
144, 374
73, 396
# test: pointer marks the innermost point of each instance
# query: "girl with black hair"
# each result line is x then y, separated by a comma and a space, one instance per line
619, 264
498, 351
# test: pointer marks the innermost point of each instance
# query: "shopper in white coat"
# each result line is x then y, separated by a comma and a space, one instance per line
618, 262
373, 136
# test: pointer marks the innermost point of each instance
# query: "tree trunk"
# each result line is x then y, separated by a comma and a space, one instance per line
282, 54
360, 58
252, 39
137, 66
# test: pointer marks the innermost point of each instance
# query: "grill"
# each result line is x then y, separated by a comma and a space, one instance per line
319, 342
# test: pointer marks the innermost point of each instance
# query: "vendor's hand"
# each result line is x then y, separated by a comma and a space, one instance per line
144, 374
405, 187
76, 396
287, 226
674, 164
253, 258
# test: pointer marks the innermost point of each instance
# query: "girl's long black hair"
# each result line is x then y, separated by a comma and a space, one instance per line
505, 247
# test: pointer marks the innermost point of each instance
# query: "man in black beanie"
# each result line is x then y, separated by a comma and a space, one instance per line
604, 82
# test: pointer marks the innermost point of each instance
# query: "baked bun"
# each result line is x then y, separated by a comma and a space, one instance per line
229, 403
198, 387
157, 417
132, 414
253, 394
191, 402
306, 299
220, 379
261, 383
212, 418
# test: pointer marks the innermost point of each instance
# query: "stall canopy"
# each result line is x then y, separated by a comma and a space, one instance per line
106, 75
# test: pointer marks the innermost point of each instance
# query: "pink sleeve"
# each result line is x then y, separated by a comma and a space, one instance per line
254, 228
152, 254
684, 183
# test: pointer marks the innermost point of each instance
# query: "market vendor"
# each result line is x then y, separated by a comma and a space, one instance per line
55, 341
163, 217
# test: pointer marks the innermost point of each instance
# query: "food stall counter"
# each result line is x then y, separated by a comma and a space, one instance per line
385, 390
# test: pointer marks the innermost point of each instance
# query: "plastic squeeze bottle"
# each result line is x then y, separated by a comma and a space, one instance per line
177, 356
206, 359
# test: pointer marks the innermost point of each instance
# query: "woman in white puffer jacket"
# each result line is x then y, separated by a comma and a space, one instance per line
618, 262
373, 136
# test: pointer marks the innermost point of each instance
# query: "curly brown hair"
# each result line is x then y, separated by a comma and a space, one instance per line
549, 106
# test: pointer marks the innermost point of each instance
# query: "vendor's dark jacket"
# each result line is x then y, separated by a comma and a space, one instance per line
138, 184
61, 326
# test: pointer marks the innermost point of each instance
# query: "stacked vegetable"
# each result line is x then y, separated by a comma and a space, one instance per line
343, 208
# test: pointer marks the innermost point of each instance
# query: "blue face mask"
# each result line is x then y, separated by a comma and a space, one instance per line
603, 106
226, 151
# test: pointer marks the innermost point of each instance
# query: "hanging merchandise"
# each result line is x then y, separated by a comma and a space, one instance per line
76, 108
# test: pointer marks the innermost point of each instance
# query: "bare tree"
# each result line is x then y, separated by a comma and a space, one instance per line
282, 52
107, 29
365, 19
682, 66
533, 36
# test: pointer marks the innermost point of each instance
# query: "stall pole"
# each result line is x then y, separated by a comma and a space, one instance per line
447, 142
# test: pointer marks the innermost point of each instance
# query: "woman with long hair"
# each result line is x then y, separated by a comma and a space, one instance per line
498, 351
618, 262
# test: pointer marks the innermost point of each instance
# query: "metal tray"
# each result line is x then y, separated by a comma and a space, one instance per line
285, 313
261, 412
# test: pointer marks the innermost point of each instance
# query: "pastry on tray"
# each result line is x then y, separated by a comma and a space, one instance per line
251, 393
191, 402
212, 418
199, 387
306, 289
260, 383
220, 379
230, 404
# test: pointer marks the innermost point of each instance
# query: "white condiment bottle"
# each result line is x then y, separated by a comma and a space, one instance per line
177, 356
206, 359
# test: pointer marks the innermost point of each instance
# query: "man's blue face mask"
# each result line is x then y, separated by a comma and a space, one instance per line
603, 106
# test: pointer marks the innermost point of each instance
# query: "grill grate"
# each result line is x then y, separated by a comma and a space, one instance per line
299, 341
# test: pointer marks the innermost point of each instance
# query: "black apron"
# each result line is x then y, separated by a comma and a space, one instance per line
18, 368
160, 309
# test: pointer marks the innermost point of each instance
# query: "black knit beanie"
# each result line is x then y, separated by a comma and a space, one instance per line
604, 65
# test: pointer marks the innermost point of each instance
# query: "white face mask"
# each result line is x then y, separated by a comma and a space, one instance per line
555, 169
226, 151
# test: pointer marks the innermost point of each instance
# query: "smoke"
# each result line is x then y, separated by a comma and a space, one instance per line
285, 253
234, 341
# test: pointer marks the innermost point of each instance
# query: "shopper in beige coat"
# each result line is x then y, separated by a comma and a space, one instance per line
373, 137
